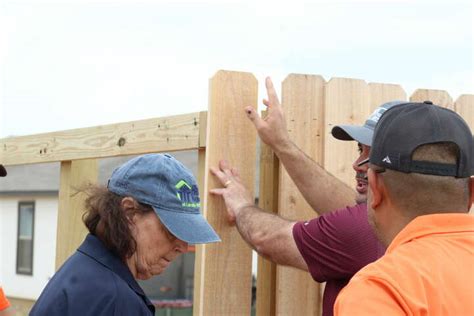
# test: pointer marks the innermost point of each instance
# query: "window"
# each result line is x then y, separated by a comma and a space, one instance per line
24, 250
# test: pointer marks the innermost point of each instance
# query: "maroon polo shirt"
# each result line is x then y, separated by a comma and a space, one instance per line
335, 246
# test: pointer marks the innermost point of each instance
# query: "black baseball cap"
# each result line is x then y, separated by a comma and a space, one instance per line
363, 134
3, 171
403, 128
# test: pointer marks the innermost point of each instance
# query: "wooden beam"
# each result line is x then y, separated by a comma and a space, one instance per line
199, 249
202, 132
347, 101
224, 278
180, 132
268, 200
302, 102
71, 229
350, 102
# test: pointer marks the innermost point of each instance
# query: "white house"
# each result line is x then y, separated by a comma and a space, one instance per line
28, 220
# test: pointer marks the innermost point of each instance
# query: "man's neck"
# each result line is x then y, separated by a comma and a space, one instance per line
397, 222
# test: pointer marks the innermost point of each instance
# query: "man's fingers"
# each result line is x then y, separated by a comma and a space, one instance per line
217, 191
214, 170
223, 164
235, 172
219, 174
254, 117
272, 95
225, 167
236, 175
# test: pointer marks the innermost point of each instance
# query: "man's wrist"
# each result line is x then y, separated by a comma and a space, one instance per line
243, 208
284, 147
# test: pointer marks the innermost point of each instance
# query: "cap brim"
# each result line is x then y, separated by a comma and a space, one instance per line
189, 227
3, 171
360, 134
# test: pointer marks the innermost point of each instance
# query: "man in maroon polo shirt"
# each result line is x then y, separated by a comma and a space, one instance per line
333, 246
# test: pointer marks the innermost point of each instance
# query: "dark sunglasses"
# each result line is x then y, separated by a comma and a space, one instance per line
377, 169
363, 162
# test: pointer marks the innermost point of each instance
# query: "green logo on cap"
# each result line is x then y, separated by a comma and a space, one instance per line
188, 195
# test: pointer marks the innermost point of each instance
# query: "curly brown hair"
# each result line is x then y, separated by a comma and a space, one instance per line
107, 220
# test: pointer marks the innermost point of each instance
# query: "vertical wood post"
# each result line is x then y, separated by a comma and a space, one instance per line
347, 101
71, 229
268, 200
302, 102
199, 250
224, 277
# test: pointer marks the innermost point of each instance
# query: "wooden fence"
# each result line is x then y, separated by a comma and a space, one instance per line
223, 271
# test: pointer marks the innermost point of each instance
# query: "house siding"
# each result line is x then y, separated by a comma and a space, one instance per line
44, 247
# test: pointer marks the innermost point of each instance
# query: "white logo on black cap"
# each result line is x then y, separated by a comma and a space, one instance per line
387, 160
375, 116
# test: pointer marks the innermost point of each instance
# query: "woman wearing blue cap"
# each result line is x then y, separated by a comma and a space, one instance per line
138, 224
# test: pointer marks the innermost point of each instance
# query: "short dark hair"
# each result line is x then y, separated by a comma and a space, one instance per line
107, 220
422, 194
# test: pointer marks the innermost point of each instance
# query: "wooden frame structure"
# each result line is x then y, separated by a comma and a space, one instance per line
223, 271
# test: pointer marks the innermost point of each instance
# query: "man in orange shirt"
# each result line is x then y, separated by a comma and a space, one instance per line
421, 189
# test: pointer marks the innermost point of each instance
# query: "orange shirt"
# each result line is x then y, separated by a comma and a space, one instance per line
428, 269
4, 303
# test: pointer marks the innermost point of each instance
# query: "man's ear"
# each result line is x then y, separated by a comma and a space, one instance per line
375, 187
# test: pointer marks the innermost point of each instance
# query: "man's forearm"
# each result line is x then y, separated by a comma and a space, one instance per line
254, 224
322, 191
270, 235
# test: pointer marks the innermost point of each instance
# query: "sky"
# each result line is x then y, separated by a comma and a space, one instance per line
73, 64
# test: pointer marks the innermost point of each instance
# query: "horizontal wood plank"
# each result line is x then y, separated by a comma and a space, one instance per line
173, 133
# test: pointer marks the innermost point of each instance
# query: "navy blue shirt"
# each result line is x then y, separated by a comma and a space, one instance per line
93, 281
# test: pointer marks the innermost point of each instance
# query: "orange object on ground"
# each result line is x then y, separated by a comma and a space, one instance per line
427, 270
4, 303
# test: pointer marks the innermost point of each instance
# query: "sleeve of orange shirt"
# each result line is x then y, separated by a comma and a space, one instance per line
4, 303
369, 296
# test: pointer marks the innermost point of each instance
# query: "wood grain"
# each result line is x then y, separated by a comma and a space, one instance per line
438, 97
180, 132
71, 230
224, 277
302, 102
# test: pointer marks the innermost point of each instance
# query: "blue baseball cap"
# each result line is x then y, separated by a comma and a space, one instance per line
363, 134
161, 181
